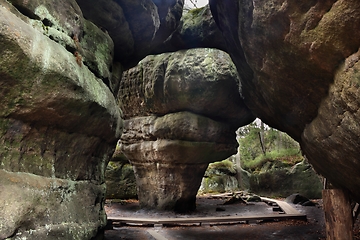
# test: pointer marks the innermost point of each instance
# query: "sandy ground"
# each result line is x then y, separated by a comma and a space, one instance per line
313, 228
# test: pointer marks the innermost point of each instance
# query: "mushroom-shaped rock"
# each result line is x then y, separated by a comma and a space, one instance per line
182, 110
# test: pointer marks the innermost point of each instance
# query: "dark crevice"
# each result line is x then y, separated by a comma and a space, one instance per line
97, 74
13, 234
47, 22
26, 12
107, 82
69, 48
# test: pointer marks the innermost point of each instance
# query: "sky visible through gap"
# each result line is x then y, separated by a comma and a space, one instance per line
199, 3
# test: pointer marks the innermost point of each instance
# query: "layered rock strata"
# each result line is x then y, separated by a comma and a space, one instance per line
59, 121
181, 111
298, 63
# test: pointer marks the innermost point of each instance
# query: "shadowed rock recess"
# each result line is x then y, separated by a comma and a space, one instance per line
181, 111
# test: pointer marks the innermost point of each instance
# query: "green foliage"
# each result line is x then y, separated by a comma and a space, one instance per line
280, 149
196, 11
222, 164
226, 167
274, 159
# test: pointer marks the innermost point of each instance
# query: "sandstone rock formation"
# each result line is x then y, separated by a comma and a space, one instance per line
136, 27
120, 181
181, 111
282, 182
59, 122
298, 63
120, 178
197, 29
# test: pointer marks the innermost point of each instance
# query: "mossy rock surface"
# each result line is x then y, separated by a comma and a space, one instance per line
120, 181
59, 123
282, 182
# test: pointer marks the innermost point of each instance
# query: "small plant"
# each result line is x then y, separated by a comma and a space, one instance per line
77, 55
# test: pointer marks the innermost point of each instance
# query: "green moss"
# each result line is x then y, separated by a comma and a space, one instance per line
226, 164
4, 125
196, 11
274, 159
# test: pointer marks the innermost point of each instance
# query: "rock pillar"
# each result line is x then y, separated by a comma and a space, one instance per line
168, 186
179, 118
168, 170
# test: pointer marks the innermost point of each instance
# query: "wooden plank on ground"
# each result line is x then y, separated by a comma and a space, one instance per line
222, 195
203, 219
289, 213
287, 208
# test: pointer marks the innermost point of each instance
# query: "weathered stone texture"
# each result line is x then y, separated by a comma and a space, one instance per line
59, 122
181, 110
336, 129
120, 181
36, 207
197, 29
136, 27
297, 62
202, 81
168, 186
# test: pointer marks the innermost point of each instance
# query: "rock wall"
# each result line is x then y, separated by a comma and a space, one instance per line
282, 182
60, 66
120, 178
272, 180
59, 122
298, 67
120, 181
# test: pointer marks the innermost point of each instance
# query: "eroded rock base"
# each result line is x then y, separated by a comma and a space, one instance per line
168, 186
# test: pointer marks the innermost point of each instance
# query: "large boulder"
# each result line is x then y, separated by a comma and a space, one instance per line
284, 181
59, 121
182, 111
187, 80
220, 177
298, 63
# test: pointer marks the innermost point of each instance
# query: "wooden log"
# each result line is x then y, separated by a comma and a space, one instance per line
338, 214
